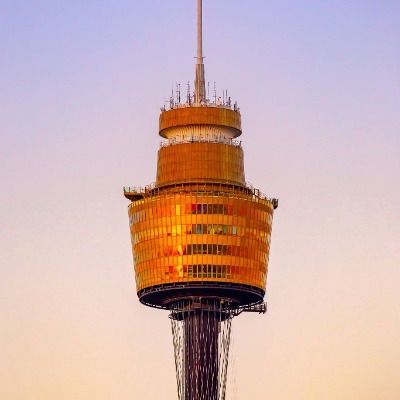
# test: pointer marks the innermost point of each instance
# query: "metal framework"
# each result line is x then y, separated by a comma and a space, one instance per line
201, 331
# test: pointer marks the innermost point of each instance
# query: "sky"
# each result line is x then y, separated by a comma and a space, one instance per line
318, 85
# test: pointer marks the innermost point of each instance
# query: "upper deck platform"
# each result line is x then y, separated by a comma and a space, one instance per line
213, 188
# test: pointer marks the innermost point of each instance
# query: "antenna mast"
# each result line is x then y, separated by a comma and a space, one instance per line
200, 85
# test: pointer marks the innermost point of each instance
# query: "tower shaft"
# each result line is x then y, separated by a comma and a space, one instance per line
201, 356
201, 330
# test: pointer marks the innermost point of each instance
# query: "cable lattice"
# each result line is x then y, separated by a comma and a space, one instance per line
201, 337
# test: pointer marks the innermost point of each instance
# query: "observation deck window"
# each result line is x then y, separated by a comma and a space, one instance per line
217, 249
201, 271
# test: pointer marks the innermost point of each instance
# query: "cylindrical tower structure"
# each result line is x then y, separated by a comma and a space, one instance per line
200, 226
201, 236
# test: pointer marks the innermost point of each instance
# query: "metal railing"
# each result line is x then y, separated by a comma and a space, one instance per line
224, 103
205, 187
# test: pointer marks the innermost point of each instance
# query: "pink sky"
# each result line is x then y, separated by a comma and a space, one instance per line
82, 83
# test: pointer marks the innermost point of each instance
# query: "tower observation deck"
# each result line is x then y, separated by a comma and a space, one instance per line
201, 234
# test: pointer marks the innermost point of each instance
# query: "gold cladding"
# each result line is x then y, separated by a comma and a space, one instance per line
200, 161
200, 116
191, 238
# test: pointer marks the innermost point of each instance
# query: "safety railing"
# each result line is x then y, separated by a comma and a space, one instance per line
205, 187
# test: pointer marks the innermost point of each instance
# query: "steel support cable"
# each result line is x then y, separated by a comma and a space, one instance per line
201, 338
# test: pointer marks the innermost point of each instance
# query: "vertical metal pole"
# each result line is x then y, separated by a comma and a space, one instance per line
200, 85
199, 32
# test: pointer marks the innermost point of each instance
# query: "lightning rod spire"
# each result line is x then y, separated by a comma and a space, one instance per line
200, 85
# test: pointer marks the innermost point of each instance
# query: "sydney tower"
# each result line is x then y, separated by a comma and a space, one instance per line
201, 234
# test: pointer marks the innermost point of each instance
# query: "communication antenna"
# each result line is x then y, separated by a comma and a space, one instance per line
215, 93
178, 93
188, 97
172, 98
200, 87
